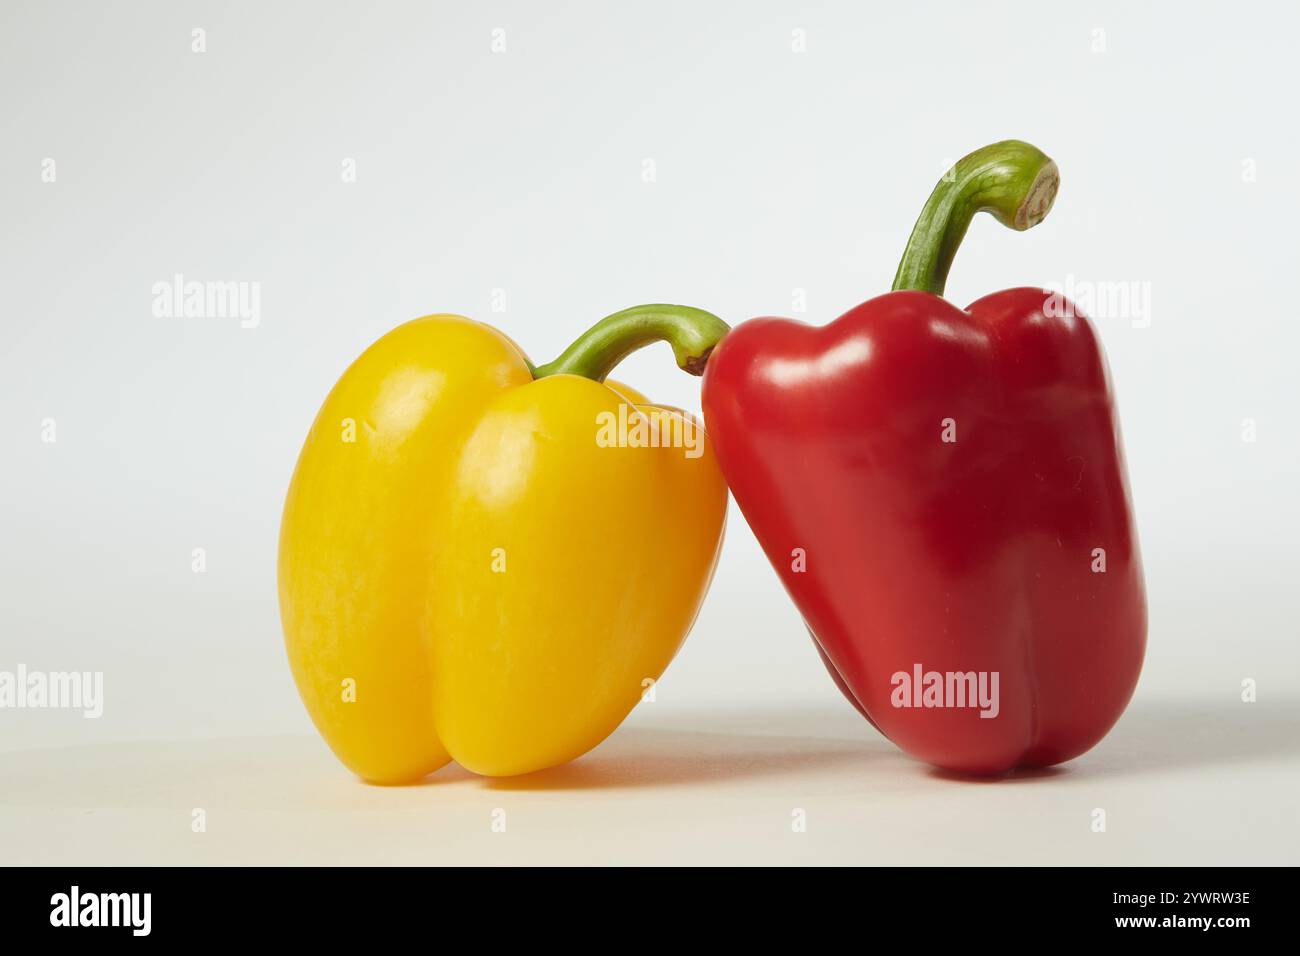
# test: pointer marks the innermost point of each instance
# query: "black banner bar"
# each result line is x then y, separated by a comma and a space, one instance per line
320, 904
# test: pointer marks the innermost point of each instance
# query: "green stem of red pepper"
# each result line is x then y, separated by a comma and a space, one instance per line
691, 332
1012, 180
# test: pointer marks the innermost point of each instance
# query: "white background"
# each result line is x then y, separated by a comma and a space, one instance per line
775, 171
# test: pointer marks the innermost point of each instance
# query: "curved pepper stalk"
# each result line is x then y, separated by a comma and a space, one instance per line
1013, 181
692, 333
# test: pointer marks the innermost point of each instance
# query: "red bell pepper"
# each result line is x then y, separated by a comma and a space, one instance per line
943, 493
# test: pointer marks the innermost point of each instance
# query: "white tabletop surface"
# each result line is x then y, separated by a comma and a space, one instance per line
1179, 785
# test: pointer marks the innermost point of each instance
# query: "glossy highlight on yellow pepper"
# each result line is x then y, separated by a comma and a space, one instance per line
467, 571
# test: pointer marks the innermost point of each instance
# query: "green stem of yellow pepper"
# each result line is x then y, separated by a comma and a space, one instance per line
691, 332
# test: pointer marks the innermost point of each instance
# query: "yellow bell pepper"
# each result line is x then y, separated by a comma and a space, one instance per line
488, 562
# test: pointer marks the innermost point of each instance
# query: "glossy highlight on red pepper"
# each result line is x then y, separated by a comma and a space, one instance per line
943, 492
